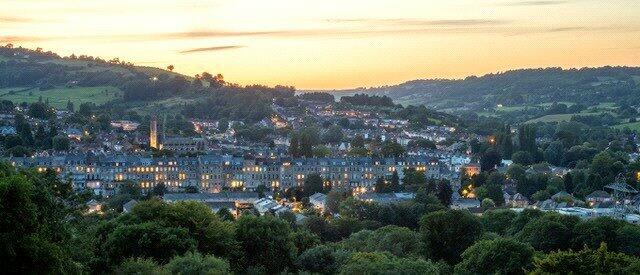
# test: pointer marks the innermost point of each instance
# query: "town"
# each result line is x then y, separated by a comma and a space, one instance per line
406, 137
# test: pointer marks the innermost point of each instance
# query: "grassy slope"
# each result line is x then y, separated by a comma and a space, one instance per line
632, 126
560, 117
58, 97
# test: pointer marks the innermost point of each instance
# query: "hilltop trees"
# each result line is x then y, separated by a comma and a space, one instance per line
497, 256
265, 243
448, 233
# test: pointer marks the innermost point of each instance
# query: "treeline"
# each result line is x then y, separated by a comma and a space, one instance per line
251, 103
367, 100
318, 97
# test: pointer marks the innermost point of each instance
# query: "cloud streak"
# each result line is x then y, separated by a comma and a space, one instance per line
10, 19
389, 27
421, 22
535, 3
211, 49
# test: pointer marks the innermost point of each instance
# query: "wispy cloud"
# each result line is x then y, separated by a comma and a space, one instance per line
212, 49
421, 22
406, 27
534, 3
11, 19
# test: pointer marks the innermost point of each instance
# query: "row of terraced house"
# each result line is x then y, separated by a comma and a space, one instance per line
214, 173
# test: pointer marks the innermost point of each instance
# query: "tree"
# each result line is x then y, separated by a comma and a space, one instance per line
306, 145
313, 183
527, 138
395, 181
523, 219
522, 158
487, 203
358, 141
334, 199
399, 241
444, 192
23, 130
489, 160
196, 263
384, 263
213, 235
149, 239
504, 143
494, 192
497, 256
159, 189
592, 232
304, 240
554, 154
70, 107
225, 215
628, 240
263, 239
497, 221
32, 232
139, 266
41, 111
392, 149
549, 232
587, 261
413, 179
333, 135
448, 233
60, 143
320, 259
382, 186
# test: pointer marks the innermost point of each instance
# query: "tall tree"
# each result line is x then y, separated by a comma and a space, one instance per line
527, 138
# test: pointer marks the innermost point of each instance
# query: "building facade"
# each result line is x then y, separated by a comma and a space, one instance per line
216, 173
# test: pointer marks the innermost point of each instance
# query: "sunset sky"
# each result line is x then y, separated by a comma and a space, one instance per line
333, 43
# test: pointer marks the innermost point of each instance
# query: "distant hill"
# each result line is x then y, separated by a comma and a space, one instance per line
28, 75
588, 86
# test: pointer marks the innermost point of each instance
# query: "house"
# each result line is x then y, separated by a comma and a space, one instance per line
598, 197
7, 130
318, 200
385, 198
266, 205
125, 125
74, 133
516, 200
547, 204
127, 207
464, 203
94, 207
540, 168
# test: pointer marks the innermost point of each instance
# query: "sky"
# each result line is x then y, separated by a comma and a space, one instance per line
333, 44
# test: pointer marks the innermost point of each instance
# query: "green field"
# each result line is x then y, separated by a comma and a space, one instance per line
510, 108
560, 117
606, 105
58, 97
632, 126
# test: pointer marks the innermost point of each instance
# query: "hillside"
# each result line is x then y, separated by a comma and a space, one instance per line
587, 86
33, 75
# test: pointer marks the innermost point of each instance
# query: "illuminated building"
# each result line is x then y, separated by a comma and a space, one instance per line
153, 134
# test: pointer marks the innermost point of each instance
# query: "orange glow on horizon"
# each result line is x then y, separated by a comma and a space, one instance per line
314, 45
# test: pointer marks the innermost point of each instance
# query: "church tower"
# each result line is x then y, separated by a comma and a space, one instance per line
153, 133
